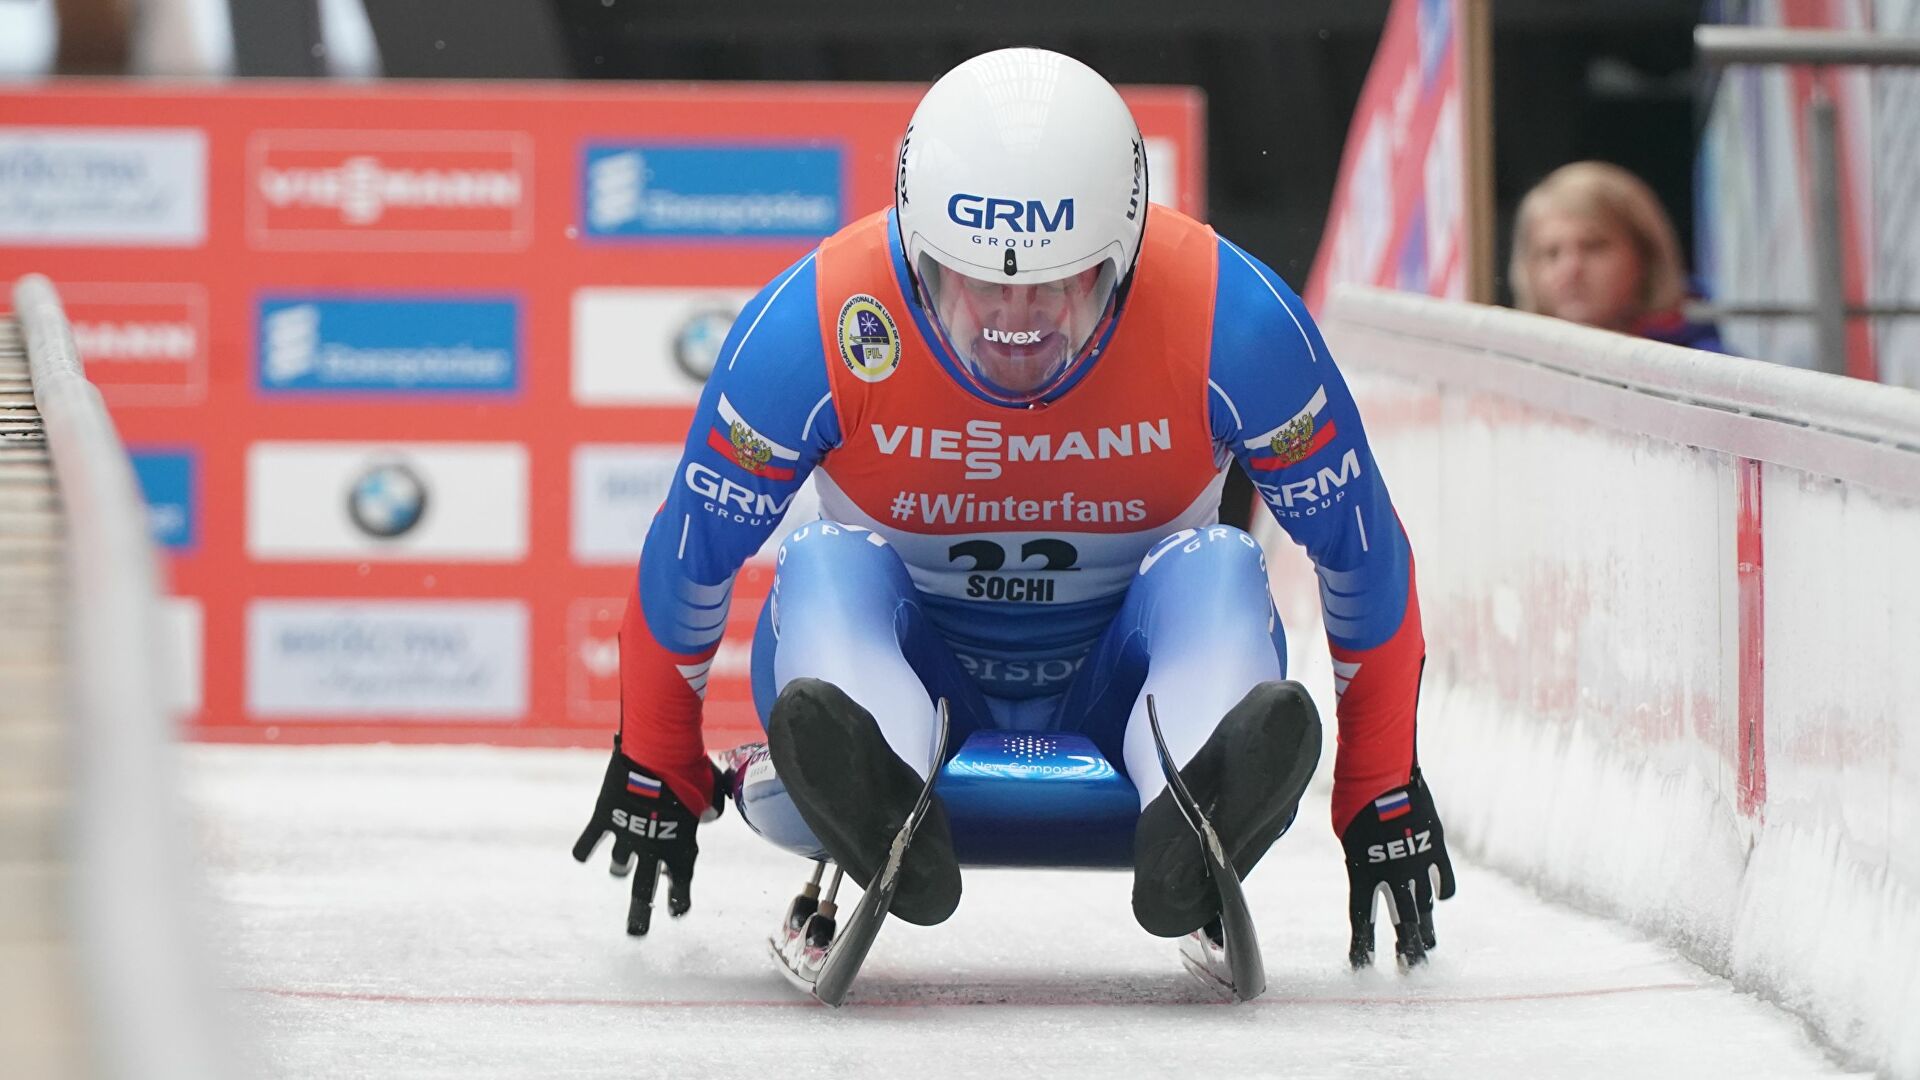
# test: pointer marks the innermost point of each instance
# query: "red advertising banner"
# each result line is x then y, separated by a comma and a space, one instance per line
1399, 210
405, 368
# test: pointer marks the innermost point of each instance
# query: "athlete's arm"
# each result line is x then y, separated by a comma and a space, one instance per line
1281, 406
763, 422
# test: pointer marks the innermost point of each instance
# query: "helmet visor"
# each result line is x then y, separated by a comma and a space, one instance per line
1019, 341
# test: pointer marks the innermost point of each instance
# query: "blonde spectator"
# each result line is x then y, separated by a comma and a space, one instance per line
1592, 245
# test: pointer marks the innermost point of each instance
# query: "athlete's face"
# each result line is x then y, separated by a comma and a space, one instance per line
1020, 336
1586, 271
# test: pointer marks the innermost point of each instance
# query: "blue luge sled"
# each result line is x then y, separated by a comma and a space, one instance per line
1038, 798
1013, 798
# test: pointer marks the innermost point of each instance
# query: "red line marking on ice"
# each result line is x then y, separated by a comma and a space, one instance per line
988, 999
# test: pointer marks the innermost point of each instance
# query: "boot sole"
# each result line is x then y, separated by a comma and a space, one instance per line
1270, 744
855, 793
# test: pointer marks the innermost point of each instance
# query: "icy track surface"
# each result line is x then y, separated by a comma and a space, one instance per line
393, 912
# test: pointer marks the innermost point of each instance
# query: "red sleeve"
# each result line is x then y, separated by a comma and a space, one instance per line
1378, 691
660, 697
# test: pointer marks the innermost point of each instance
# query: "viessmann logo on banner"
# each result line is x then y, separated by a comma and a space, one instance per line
390, 191
647, 191
398, 345
464, 659
141, 344
103, 187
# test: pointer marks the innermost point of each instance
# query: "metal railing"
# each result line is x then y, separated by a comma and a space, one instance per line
39, 1005
114, 896
1727, 46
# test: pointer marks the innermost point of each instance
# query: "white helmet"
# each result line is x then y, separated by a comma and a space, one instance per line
1021, 200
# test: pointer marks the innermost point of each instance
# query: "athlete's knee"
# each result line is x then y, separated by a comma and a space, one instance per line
1217, 573
834, 544
826, 569
1213, 551
839, 553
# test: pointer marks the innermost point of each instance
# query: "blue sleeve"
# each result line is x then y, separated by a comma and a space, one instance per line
1281, 407
763, 423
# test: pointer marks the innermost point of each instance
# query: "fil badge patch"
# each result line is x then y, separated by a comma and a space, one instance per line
869, 341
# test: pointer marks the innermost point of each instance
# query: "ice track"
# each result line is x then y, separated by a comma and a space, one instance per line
389, 912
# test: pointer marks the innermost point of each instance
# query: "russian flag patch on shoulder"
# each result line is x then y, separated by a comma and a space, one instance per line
1302, 436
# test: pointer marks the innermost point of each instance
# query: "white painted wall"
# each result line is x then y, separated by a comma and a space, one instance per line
1572, 497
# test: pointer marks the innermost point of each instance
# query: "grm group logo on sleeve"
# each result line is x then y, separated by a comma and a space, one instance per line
168, 484
617, 487
397, 345
102, 187
648, 191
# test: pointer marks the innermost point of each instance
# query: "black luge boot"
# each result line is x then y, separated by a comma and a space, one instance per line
855, 793
1247, 779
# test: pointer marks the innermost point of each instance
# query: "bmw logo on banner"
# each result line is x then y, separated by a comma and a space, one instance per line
387, 500
696, 347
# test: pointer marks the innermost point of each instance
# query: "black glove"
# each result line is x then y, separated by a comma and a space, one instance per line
1396, 843
646, 817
